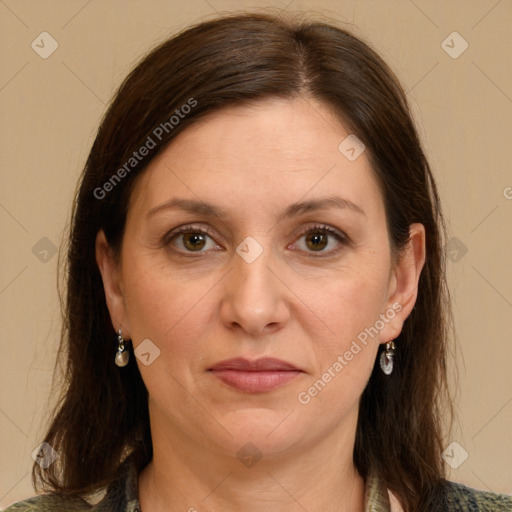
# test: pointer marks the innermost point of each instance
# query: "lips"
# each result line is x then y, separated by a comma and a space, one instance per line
258, 365
255, 376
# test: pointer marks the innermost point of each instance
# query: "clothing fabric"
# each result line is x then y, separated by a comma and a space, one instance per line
122, 496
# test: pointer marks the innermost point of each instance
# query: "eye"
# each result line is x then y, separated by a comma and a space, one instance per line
191, 238
317, 239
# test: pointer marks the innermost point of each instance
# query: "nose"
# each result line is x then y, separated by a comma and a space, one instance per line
255, 299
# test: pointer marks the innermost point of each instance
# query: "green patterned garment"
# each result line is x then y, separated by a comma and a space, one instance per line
122, 496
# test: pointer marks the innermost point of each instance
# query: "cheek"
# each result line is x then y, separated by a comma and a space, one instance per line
350, 306
345, 358
168, 309
351, 303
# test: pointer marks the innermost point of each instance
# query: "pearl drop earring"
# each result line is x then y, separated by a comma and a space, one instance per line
122, 355
386, 358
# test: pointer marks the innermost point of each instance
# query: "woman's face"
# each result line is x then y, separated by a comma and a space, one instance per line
281, 273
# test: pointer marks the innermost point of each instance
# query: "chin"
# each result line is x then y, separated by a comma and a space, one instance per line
270, 431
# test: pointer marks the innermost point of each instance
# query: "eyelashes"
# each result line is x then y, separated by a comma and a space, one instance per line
193, 236
187, 230
327, 232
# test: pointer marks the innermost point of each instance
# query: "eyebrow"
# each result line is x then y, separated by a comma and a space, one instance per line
204, 208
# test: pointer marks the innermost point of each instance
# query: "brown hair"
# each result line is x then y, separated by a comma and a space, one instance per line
102, 414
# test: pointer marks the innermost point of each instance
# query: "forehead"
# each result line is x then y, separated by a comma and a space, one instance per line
261, 155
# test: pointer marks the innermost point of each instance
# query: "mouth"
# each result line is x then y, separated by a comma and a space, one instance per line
256, 376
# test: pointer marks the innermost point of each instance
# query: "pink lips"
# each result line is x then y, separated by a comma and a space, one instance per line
255, 376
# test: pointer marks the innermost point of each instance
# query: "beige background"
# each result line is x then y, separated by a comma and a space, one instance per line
50, 109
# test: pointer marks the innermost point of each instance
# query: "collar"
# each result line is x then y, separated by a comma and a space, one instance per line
376, 496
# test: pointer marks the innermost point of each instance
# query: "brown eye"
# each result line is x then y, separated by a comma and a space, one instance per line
316, 240
193, 241
190, 239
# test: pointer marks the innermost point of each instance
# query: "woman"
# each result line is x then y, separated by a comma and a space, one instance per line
257, 312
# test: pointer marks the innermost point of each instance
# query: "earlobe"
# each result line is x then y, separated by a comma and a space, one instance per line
403, 288
110, 274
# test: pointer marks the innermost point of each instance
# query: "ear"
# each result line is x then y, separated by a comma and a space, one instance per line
403, 283
110, 274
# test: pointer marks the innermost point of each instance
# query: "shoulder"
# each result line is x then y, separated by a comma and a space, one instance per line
460, 498
120, 496
49, 503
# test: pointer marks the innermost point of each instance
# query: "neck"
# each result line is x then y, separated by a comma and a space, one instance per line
183, 476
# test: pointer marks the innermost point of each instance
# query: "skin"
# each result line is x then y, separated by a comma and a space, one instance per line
198, 310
